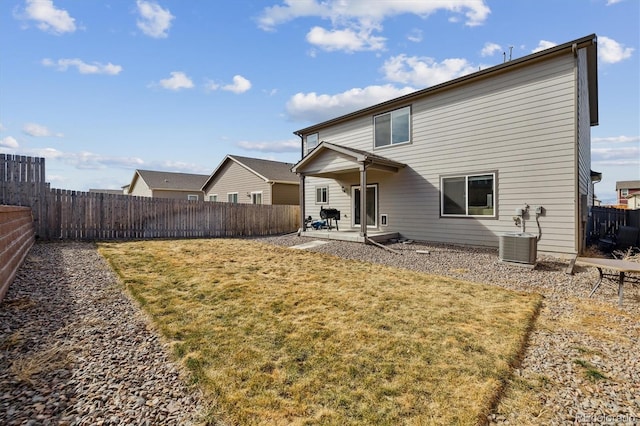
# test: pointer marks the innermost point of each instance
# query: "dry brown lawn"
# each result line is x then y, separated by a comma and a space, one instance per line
279, 336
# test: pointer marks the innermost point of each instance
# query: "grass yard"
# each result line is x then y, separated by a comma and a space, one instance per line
279, 336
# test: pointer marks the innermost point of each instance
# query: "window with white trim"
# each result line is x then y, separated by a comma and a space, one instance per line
213, 197
624, 192
192, 197
311, 142
392, 128
256, 197
232, 197
322, 194
468, 195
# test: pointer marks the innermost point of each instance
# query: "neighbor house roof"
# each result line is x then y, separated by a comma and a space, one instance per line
627, 184
267, 170
169, 180
588, 42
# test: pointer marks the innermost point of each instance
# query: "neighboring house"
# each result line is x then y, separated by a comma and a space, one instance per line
252, 181
106, 191
453, 163
626, 190
183, 186
633, 201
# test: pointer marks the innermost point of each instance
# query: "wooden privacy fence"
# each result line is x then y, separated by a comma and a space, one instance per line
64, 214
16, 238
605, 221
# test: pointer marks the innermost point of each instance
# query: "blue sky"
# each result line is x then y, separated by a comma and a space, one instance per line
101, 88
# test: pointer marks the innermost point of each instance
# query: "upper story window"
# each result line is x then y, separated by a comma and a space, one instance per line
192, 197
311, 141
624, 192
232, 197
213, 197
256, 198
393, 127
468, 195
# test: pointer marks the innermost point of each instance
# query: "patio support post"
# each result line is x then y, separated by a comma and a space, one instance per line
363, 200
303, 225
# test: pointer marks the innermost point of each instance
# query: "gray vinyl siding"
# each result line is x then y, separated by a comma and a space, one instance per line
283, 193
141, 189
232, 177
519, 124
176, 194
585, 188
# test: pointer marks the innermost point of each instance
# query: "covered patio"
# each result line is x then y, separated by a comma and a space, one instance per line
335, 162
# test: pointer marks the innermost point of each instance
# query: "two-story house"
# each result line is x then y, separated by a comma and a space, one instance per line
459, 161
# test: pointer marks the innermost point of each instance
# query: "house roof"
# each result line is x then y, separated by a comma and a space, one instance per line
589, 42
169, 181
358, 155
267, 170
628, 184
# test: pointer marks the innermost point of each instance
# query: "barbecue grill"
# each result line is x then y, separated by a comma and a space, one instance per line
330, 215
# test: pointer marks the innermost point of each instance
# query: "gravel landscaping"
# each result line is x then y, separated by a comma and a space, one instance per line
75, 350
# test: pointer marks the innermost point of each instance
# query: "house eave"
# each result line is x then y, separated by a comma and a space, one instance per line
361, 159
589, 42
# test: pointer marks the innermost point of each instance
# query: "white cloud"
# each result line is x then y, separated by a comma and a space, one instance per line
50, 19
354, 22
278, 146
38, 130
544, 44
475, 11
610, 51
612, 2
315, 108
154, 20
177, 81
618, 150
239, 85
83, 67
178, 167
347, 40
9, 142
423, 71
490, 49
616, 139
415, 35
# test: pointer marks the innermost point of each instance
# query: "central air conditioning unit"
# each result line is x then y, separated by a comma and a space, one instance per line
519, 247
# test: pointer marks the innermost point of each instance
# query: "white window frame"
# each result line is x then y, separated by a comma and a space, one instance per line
491, 198
355, 188
193, 197
213, 197
234, 195
310, 145
254, 195
391, 114
325, 193
624, 192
